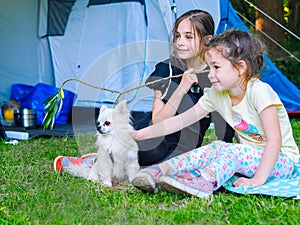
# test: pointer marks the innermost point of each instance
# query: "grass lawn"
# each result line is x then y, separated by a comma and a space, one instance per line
32, 193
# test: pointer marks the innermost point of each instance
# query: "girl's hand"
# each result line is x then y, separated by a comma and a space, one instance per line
188, 79
135, 135
141, 134
243, 181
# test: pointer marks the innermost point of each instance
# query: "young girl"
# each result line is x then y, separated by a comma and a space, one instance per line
176, 95
267, 149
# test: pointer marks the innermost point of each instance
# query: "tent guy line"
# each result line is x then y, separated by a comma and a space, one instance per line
270, 38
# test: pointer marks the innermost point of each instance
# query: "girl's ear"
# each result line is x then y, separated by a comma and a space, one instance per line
209, 37
206, 39
242, 66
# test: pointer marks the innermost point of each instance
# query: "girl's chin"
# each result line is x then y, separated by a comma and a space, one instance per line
218, 87
183, 56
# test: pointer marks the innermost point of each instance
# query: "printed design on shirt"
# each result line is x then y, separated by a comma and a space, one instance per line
247, 129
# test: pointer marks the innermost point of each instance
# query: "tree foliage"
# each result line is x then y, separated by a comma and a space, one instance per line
287, 14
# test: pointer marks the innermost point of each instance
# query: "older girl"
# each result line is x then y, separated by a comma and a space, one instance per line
176, 95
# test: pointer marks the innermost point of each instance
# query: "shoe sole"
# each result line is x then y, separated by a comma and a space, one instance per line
145, 183
55, 164
173, 186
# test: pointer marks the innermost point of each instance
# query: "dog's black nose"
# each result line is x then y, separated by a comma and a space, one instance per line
99, 128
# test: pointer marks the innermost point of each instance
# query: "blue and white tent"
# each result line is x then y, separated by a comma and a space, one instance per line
108, 43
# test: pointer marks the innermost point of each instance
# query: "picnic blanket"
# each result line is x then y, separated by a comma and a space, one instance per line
289, 188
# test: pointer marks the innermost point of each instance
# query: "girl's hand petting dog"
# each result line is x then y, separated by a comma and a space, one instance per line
137, 135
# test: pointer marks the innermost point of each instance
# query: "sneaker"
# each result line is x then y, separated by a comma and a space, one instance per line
58, 164
61, 163
89, 155
146, 179
197, 187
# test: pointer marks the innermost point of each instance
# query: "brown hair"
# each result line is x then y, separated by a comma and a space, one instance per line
202, 24
237, 45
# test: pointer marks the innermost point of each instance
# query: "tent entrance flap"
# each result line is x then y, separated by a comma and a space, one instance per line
58, 15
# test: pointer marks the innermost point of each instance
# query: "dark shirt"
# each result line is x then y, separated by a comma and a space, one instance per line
192, 136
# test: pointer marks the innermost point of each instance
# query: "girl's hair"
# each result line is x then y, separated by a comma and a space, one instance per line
202, 24
236, 45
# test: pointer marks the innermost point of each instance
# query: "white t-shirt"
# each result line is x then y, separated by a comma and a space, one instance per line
244, 117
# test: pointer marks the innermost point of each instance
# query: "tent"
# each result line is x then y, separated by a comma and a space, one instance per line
107, 43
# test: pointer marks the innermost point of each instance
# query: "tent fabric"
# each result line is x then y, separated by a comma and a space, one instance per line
59, 11
100, 2
113, 45
24, 56
86, 48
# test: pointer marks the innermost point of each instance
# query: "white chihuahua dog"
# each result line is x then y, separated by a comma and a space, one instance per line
117, 156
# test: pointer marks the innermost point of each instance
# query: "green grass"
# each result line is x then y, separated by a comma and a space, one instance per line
32, 193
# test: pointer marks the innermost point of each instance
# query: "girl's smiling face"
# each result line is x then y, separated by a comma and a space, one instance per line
186, 41
223, 75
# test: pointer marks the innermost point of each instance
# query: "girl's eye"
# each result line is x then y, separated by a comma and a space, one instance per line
189, 36
216, 67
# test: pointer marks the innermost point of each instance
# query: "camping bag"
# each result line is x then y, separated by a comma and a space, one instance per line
32, 97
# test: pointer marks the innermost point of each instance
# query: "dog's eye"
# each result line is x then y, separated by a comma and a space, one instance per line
97, 123
106, 123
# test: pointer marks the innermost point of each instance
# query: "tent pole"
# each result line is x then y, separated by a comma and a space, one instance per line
174, 9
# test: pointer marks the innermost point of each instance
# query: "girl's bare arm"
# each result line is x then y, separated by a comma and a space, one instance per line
171, 124
160, 110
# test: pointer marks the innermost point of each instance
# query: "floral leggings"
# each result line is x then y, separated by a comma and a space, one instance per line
224, 160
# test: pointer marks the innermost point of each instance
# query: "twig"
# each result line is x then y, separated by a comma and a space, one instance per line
152, 82
57, 99
87, 84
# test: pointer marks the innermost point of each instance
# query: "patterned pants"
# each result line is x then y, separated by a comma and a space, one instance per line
224, 160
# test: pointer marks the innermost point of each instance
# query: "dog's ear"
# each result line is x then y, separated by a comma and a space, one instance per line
122, 107
102, 108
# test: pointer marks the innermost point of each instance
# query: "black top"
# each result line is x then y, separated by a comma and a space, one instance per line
192, 136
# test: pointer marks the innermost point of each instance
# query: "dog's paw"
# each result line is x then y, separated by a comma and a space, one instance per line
106, 183
93, 177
